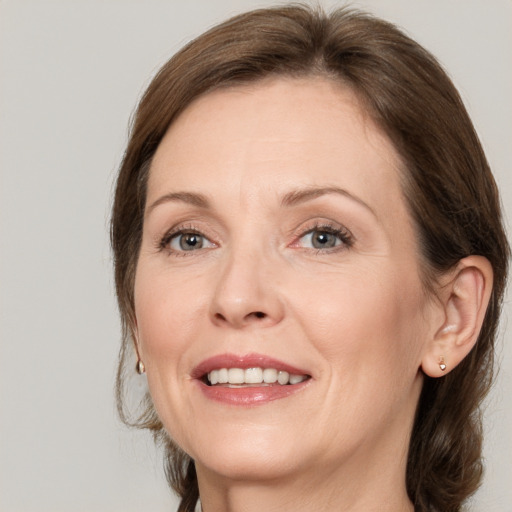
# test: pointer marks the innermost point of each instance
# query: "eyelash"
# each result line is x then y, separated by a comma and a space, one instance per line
346, 238
163, 244
343, 234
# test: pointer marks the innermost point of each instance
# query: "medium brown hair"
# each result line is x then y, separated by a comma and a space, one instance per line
447, 183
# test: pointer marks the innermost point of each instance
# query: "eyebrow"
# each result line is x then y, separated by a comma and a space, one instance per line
307, 194
192, 198
292, 198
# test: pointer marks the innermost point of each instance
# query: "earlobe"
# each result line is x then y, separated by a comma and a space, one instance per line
139, 365
464, 299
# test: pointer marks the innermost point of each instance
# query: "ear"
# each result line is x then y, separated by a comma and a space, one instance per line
463, 298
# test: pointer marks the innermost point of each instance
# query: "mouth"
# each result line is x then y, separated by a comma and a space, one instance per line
251, 379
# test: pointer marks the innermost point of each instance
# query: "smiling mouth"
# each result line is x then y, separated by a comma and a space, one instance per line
252, 377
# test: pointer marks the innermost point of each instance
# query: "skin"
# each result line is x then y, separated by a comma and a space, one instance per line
355, 316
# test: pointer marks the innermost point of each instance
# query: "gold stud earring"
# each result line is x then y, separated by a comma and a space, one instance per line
140, 367
442, 365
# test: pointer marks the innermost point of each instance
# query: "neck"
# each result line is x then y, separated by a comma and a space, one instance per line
351, 488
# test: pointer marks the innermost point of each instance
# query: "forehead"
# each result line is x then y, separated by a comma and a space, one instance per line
277, 133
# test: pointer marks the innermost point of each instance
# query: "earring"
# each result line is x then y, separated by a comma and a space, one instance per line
140, 367
442, 365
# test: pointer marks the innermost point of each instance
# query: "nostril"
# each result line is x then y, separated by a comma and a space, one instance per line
240, 319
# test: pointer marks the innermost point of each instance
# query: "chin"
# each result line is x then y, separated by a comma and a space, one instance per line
246, 453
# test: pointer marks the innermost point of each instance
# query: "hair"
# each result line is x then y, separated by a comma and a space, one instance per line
447, 184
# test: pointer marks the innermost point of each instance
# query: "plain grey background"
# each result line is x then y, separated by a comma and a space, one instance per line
71, 72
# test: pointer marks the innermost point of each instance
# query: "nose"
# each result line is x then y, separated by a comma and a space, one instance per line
246, 292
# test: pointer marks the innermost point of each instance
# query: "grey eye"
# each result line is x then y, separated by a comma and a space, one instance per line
188, 242
322, 239
318, 239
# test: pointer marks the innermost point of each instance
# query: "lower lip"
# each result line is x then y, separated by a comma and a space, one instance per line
250, 396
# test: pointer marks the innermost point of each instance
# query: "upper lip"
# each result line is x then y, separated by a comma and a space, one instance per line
243, 361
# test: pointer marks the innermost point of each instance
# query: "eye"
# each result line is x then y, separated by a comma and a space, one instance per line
186, 241
325, 237
321, 239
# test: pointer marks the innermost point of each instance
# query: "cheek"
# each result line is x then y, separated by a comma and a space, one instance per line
167, 312
366, 320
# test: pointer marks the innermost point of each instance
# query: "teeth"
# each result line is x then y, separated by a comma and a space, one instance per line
283, 377
239, 376
236, 376
295, 379
253, 376
269, 375
213, 377
223, 376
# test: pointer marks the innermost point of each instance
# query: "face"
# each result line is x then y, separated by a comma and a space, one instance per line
277, 245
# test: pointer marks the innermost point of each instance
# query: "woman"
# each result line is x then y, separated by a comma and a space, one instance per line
310, 263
